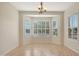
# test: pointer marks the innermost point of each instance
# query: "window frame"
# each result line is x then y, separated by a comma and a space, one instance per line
72, 32
42, 28
55, 29
26, 27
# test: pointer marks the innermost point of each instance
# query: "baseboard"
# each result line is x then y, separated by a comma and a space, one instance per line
72, 49
4, 54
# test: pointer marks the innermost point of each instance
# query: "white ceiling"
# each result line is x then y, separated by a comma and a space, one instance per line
33, 6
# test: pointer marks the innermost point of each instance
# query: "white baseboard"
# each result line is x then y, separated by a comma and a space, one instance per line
4, 54
72, 49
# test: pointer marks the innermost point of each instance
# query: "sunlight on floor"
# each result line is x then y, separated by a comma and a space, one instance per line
42, 50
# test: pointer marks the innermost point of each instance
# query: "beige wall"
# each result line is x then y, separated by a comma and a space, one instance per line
20, 30
58, 40
9, 34
72, 44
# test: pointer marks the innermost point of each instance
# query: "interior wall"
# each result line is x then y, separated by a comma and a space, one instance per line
21, 30
61, 31
9, 28
70, 43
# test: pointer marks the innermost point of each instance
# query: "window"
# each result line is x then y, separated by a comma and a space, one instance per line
55, 27
41, 27
27, 26
73, 26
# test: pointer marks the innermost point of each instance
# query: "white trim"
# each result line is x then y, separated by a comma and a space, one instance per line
4, 53
72, 49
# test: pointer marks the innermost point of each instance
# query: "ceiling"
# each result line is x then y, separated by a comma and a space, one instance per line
33, 6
